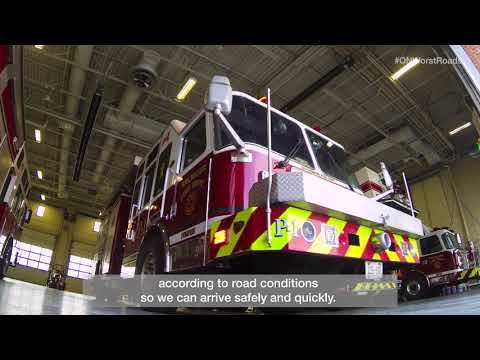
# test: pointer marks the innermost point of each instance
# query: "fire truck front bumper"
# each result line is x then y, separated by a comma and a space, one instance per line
302, 231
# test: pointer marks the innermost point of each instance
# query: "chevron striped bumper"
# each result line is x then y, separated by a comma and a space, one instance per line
304, 231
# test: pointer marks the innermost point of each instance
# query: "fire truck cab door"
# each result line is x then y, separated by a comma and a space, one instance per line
146, 190
189, 201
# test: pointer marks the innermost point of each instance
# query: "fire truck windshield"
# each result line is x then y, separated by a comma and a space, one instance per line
249, 120
330, 157
450, 241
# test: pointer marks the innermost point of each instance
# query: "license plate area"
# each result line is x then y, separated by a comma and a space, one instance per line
373, 270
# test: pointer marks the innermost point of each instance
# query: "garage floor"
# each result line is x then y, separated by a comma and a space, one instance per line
21, 298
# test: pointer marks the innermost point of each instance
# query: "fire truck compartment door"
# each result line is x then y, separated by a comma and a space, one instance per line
313, 193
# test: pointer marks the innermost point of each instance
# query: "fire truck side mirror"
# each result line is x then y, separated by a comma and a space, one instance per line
219, 95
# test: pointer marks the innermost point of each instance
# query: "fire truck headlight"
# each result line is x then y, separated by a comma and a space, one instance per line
381, 242
412, 249
220, 237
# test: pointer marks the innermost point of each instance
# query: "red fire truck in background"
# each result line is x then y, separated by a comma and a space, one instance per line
14, 176
446, 261
205, 200
111, 238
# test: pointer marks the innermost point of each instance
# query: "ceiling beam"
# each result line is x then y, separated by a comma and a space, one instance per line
97, 129
62, 204
50, 88
128, 65
223, 66
58, 149
379, 65
84, 189
56, 171
118, 80
267, 52
359, 112
45, 128
72, 197
292, 69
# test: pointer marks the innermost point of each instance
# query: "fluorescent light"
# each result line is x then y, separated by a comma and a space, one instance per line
40, 174
137, 160
39, 47
40, 211
404, 69
96, 226
38, 135
186, 88
42, 197
460, 128
329, 144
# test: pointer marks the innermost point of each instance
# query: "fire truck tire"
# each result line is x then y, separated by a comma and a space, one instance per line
151, 261
151, 257
5, 256
415, 286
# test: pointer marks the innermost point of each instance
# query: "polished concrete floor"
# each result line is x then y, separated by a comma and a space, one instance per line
21, 298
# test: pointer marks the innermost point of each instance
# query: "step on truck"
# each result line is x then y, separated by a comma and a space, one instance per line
208, 200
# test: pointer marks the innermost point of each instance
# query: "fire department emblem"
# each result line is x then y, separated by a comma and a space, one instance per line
190, 203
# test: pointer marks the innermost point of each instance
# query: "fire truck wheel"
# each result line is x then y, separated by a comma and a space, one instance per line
151, 261
151, 258
5, 256
415, 286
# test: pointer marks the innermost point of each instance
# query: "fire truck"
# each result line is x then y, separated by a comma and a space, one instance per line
446, 261
110, 242
245, 188
14, 176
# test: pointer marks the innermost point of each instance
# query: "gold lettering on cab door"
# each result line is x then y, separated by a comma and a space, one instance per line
190, 186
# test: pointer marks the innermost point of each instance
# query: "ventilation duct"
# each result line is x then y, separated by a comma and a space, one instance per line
403, 135
136, 126
122, 120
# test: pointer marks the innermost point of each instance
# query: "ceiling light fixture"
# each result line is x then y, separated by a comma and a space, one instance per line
38, 136
42, 197
460, 128
40, 211
39, 47
404, 69
186, 89
96, 226
329, 144
40, 174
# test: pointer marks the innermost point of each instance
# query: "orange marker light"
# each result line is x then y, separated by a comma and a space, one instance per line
263, 99
220, 237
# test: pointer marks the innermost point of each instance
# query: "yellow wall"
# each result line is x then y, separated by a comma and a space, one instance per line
77, 238
435, 198
50, 223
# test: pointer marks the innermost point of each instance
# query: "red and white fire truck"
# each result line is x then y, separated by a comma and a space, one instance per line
445, 261
206, 200
14, 176
111, 238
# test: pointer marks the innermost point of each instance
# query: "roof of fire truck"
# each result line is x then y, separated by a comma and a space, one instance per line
179, 126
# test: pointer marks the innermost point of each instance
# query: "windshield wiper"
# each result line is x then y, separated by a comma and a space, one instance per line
283, 164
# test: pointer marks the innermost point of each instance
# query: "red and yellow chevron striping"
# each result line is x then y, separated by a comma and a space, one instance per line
469, 274
300, 230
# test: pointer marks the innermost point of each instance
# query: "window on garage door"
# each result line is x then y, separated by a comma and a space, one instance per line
80, 267
30, 255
